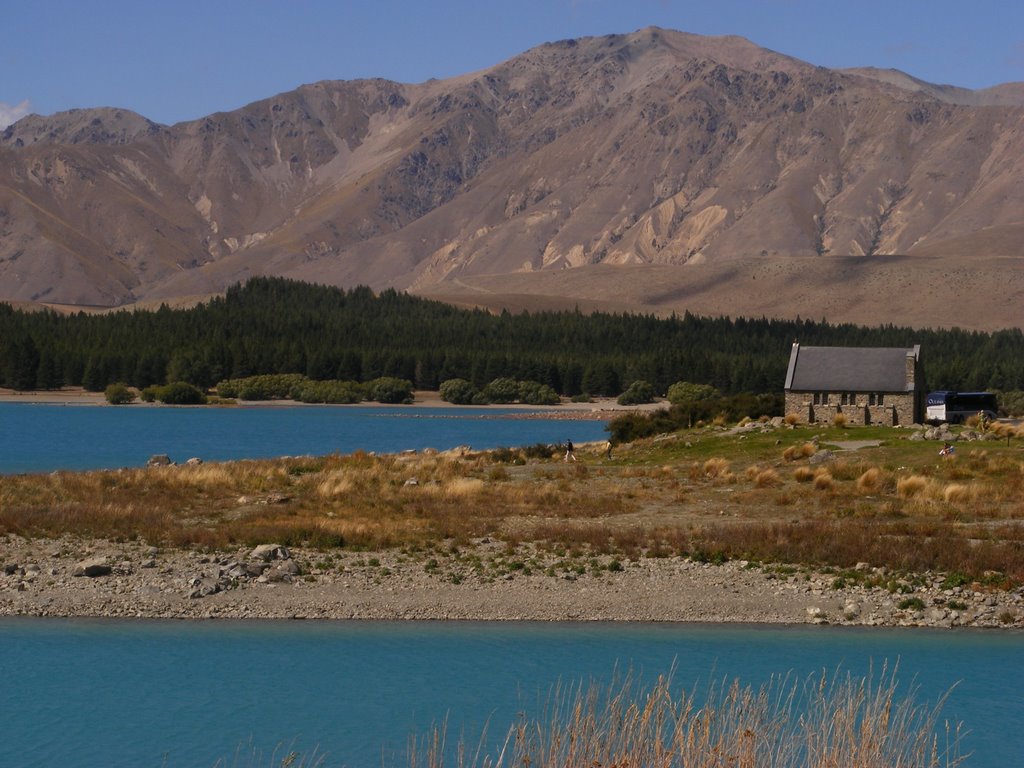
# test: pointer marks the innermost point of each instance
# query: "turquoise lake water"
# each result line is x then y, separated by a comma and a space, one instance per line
42, 438
167, 694
150, 693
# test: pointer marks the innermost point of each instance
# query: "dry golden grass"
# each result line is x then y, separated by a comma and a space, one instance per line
822, 722
912, 486
957, 493
660, 493
803, 474
823, 480
871, 480
716, 467
791, 419
839, 420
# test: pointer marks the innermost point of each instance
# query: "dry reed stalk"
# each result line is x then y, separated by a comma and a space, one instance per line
823, 722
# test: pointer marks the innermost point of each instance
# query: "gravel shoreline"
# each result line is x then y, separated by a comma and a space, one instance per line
37, 578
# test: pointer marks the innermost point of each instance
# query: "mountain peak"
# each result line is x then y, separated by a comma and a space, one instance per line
98, 125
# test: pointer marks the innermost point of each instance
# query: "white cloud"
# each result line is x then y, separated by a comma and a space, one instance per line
11, 113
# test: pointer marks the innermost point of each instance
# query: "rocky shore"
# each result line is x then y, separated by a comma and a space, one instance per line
70, 577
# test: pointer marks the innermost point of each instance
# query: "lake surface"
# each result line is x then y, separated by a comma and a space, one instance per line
43, 438
149, 693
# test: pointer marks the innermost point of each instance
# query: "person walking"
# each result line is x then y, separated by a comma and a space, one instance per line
569, 454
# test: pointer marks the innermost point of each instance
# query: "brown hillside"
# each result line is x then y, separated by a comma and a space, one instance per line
656, 170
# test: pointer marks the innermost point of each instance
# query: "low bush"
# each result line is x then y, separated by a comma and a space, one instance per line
181, 393
458, 391
388, 389
638, 393
119, 394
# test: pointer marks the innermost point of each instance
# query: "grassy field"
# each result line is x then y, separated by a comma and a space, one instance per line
711, 493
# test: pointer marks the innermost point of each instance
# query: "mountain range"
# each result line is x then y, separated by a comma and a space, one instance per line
655, 171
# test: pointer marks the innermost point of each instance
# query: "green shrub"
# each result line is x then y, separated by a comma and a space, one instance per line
388, 389
458, 391
535, 393
333, 392
273, 386
119, 394
148, 395
685, 392
637, 393
502, 390
911, 603
181, 393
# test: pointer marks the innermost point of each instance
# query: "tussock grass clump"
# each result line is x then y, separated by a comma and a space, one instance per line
766, 478
912, 486
871, 481
716, 467
957, 493
791, 419
839, 420
803, 474
823, 479
802, 451
821, 722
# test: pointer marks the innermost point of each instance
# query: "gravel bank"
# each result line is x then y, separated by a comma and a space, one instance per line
37, 578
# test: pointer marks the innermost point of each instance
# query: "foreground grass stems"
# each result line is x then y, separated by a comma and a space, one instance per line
825, 721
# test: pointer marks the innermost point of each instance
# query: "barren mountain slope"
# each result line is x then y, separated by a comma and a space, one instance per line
700, 162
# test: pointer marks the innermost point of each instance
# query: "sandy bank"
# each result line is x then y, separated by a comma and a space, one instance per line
600, 408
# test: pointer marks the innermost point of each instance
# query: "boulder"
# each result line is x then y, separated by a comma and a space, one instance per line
159, 460
203, 587
821, 457
93, 568
267, 552
195, 461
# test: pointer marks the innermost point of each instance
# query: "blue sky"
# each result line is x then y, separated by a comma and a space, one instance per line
183, 59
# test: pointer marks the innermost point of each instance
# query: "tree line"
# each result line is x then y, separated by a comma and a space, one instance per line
274, 325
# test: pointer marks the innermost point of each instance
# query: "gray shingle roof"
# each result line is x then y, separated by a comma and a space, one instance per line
849, 369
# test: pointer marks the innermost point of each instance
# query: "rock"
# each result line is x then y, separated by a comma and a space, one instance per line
195, 461
159, 460
268, 552
203, 587
411, 481
10, 569
821, 457
851, 610
277, 498
92, 568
